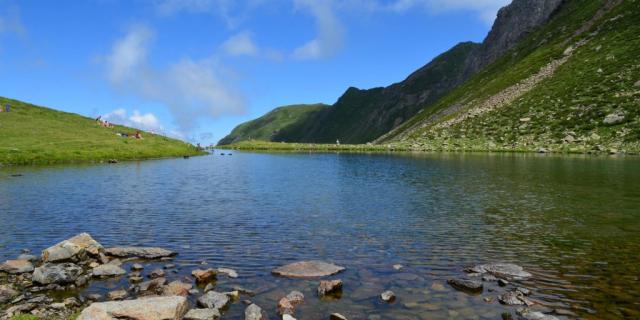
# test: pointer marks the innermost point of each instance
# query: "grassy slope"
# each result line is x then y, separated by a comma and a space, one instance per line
35, 135
600, 78
266, 127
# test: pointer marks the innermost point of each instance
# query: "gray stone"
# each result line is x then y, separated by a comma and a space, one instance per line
295, 297
16, 266
152, 285
526, 314
63, 273
501, 270
7, 293
152, 308
637, 84
614, 118
176, 288
513, 298
204, 275
388, 296
254, 312
108, 270
308, 269
472, 286
139, 252
28, 257
229, 272
137, 267
157, 273
117, 295
285, 307
73, 248
202, 314
213, 300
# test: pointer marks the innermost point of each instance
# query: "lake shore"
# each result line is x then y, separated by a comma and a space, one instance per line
461, 146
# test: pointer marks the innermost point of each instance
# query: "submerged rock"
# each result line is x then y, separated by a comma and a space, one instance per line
63, 273
202, 314
73, 248
108, 270
471, 286
526, 314
329, 287
337, 316
16, 266
308, 269
139, 252
501, 270
176, 288
254, 312
295, 297
154, 308
213, 300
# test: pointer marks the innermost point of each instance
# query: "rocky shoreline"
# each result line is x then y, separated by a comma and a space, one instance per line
31, 285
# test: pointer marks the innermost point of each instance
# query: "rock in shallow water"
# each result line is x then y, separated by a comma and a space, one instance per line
202, 314
308, 269
229, 272
204, 275
63, 273
254, 312
471, 286
337, 316
213, 300
73, 248
176, 288
139, 252
327, 287
16, 266
501, 270
108, 270
154, 308
388, 296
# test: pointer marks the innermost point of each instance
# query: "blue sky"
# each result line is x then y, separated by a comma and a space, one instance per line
195, 69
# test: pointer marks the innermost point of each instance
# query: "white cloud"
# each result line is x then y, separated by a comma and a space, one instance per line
240, 44
146, 121
330, 31
191, 89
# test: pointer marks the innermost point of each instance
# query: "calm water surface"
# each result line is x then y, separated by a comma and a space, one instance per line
574, 222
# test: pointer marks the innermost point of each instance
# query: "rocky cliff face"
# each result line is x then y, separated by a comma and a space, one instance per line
361, 116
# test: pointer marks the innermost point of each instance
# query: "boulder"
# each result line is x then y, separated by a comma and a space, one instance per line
614, 118
204, 275
514, 298
308, 269
202, 314
213, 300
471, 286
501, 270
229, 272
388, 296
637, 84
7, 293
329, 286
153, 308
16, 266
74, 248
63, 273
108, 270
157, 273
139, 252
176, 288
254, 312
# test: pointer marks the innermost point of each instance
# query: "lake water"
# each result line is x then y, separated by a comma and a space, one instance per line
574, 222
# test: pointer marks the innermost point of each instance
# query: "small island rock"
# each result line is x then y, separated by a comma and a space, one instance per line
308, 269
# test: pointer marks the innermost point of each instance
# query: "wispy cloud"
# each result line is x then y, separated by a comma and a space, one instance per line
330, 37
240, 44
144, 121
486, 9
191, 89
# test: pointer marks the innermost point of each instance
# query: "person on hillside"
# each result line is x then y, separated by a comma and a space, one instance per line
7, 108
138, 135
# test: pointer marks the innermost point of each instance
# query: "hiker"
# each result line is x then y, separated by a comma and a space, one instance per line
138, 135
7, 108
98, 119
337, 141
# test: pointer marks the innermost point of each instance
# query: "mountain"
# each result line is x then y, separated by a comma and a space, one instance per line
361, 116
31, 134
573, 85
267, 127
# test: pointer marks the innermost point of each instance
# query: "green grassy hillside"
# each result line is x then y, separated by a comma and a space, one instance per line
35, 135
267, 127
572, 86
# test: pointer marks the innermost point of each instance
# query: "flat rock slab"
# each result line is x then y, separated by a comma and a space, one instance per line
72, 248
471, 286
16, 266
108, 270
155, 308
139, 252
501, 270
308, 269
63, 273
